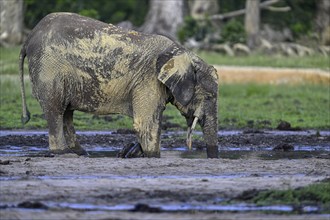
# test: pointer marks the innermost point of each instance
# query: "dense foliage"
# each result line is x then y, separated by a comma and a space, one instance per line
300, 20
113, 11
233, 31
194, 29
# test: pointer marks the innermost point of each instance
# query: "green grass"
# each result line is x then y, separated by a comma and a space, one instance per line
240, 106
264, 106
314, 194
316, 61
11, 110
9, 60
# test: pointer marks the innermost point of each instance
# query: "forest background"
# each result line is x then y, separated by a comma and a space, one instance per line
216, 21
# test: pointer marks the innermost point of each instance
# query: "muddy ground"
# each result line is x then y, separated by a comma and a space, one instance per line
179, 185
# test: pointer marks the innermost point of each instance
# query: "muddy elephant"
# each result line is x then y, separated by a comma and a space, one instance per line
78, 63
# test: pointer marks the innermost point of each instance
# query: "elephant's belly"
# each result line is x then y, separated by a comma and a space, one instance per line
103, 104
99, 95
124, 108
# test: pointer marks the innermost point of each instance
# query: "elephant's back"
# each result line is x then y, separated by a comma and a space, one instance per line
61, 28
70, 43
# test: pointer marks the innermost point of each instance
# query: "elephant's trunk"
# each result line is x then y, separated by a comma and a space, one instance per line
209, 126
210, 133
209, 123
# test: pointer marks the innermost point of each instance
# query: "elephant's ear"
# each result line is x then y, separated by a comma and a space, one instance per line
206, 75
177, 73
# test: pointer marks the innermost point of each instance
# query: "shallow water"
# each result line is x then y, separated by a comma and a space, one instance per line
176, 207
299, 152
228, 152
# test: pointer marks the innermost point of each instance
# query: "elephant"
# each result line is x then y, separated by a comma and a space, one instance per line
77, 63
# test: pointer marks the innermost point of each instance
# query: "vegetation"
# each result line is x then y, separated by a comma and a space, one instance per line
264, 106
196, 29
300, 17
9, 60
316, 194
233, 32
254, 106
113, 11
248, 105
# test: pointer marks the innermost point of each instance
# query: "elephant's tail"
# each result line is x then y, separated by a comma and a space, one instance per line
25, 113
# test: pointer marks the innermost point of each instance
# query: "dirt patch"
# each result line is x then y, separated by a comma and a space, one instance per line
171, 187
270, 75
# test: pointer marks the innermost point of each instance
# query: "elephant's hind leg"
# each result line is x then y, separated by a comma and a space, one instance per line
70, 134
57, 142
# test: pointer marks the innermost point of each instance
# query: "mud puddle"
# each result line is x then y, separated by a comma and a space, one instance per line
181, 184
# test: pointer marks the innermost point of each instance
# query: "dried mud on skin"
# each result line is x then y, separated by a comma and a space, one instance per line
34, 184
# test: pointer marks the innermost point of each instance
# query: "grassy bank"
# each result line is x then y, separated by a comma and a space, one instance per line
240, 106
317, 194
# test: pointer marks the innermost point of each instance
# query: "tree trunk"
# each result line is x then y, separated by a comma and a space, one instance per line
252, 21
323, 21
164, 17
11, 22
200, 9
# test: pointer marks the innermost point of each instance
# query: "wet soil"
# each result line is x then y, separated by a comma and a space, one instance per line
250, 138
179, 185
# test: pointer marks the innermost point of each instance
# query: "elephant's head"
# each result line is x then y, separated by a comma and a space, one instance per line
193, 89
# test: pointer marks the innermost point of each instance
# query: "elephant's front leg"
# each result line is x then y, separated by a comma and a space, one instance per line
147, 115
148, 132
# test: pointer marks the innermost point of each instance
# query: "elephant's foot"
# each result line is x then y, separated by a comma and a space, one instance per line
69, 150
155, 154
78, 150
60, 151
130, 151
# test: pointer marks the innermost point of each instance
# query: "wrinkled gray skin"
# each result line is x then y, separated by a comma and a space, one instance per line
77, 63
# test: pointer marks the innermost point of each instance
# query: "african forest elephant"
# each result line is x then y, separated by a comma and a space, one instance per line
78, 63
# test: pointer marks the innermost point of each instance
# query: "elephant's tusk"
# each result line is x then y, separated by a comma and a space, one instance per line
189, 133
189, 143
194, 123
